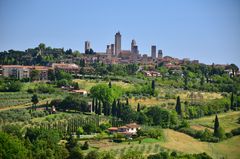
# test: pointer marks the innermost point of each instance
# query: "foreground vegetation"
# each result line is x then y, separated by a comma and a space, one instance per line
189, 113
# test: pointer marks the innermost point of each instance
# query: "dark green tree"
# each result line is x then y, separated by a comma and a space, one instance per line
178, 107
114, 108
232, 101
85, 146
96, 106
216, 126
138, 107
93, 105
76, 153
11, 147
119, 108
153, 87
99, 108
34, 100
127, 103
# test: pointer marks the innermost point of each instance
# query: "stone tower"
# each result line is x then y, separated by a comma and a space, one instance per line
117, 43
154, 52
87, 45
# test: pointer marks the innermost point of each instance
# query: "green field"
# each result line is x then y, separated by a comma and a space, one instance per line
88, 84
228, 121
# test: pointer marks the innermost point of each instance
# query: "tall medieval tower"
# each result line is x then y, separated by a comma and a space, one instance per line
117, 43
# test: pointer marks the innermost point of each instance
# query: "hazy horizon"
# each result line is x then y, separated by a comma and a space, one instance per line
205, 30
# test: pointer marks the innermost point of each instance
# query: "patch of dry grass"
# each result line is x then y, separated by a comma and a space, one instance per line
181, 142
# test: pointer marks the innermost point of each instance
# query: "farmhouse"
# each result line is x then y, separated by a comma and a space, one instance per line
129, 129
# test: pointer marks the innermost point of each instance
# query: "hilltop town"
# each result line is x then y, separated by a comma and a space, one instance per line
45, 59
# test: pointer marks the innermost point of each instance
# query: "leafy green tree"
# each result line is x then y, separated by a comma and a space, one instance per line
42, 46
161, 117
63, 75
80, 131
90, 128
76, 153
74, 102
34, 75
93, 155
127, 114
10, 86
11, 147
105, 94
142, 118
220, 133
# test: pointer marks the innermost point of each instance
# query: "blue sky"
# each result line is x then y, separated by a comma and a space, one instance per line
208, 30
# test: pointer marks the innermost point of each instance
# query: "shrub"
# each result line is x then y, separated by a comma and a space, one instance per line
229, 135
85, 146
235, 131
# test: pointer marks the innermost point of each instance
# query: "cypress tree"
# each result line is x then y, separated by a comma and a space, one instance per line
99, 108
93, 105
153, 86
96, 106
114, 108
232, 101
108, 109
178, 106
110, 84
138, 108
104, 108
216, 126
118, 108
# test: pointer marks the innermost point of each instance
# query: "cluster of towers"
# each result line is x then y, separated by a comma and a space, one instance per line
116, 49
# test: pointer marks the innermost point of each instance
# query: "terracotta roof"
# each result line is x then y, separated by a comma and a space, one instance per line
132, 125
113, 128
26, 67
123, 127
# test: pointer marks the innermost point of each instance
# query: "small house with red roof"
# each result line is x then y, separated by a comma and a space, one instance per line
129, 129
